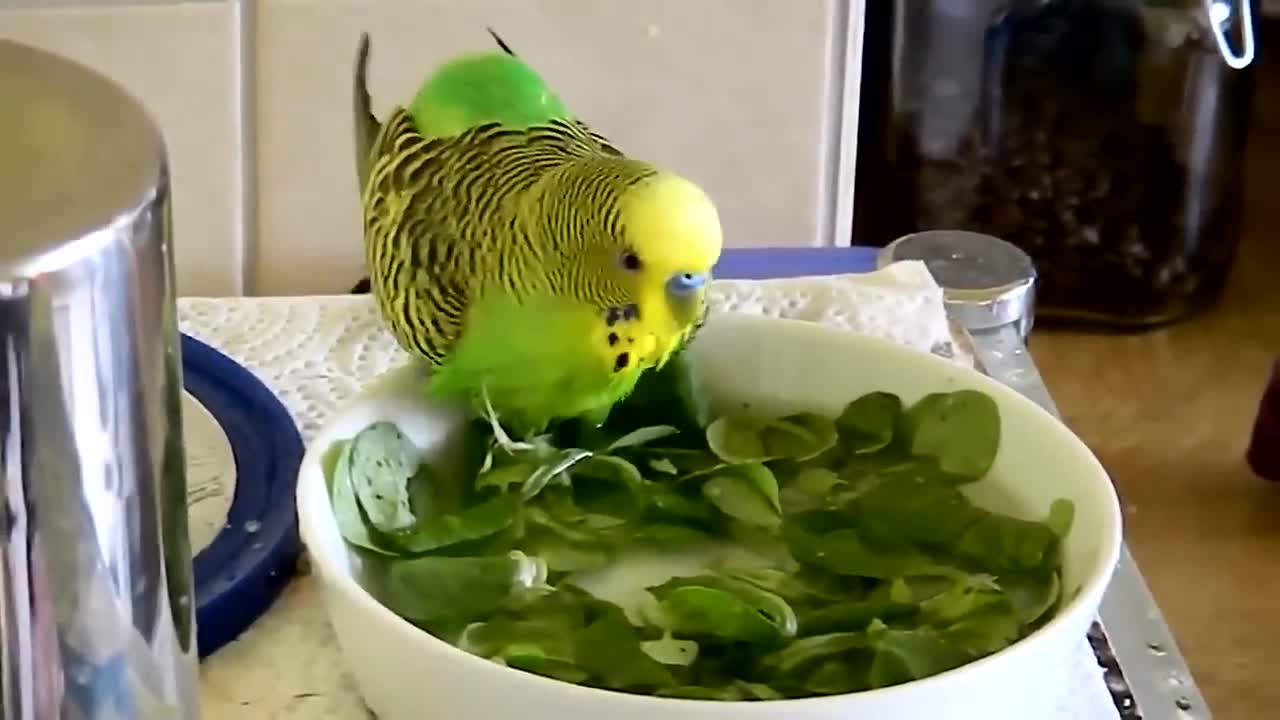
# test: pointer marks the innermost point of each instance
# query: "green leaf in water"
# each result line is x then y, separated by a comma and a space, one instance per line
905, 508
739, 497
817, 482
808, 650
737, 440
664, 466
669, 395
687, 461
668, 537
433, 533
702, 611
503, 477
750, 601
853, 615
670, 651
741, 440
433, 589
960, 430
905, 655
562, 461
837, 677
1032, 597
552, 634
964, 597
1062, 515
346, 509
562, 555
1001, 543
984, 632
867, 424
844, 552
794, 587
666, 504
801, 436
380, 464
609, 651
641, 436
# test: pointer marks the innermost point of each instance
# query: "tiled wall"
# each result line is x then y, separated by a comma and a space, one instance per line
254, 99
754, 98
179, 60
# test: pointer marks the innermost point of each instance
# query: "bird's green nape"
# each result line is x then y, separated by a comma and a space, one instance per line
483, 88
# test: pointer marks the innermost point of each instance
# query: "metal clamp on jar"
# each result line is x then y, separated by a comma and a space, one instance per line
96, 617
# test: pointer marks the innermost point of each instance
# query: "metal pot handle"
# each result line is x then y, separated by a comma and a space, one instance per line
1220, 12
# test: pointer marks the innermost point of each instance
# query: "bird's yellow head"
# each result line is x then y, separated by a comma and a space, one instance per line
671, 240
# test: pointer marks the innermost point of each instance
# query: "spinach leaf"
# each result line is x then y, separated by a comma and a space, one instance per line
867, 424
433, 589
740, 440
609, 651
669, 395
381, 462
844, 552
960, 430
801, 436
746, 492
807, 650
346, 508
641, 436
436, 532
840, 554
1001, 543
703, 611
724, 607
905, 508
905, 655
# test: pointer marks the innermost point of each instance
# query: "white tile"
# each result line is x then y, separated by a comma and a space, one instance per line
733, 93
178, 59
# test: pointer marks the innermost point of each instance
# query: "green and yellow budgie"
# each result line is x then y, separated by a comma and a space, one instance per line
537, 269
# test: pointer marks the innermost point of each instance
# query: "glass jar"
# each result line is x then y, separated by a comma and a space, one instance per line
1103, 137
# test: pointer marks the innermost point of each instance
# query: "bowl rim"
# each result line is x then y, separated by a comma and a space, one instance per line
335, 574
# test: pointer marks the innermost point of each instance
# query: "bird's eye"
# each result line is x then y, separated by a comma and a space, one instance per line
630, 261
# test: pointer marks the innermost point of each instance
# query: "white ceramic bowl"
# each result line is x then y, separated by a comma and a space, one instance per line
787, 366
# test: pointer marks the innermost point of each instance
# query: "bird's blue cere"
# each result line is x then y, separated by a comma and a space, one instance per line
685, 283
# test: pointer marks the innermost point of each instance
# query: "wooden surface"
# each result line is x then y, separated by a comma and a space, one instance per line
1169, 413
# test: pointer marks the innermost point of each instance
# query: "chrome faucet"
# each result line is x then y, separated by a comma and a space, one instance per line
97, 618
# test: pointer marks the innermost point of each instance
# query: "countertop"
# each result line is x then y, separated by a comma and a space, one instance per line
1169, 413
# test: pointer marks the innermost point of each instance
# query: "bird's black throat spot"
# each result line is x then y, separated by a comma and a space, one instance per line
613, 339
620, 313
620, 362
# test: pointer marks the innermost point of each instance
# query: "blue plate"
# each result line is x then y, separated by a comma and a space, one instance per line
251, 559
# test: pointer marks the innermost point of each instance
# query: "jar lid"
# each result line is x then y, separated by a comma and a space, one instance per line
987, 282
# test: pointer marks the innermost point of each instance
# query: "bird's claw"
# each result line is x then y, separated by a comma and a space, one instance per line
504, 440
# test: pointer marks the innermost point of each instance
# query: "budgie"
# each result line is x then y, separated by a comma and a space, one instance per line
537, 269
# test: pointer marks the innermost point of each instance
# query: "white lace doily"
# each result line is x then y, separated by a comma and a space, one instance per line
315, 352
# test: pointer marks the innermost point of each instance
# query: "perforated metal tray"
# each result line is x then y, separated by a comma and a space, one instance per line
1145, 672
